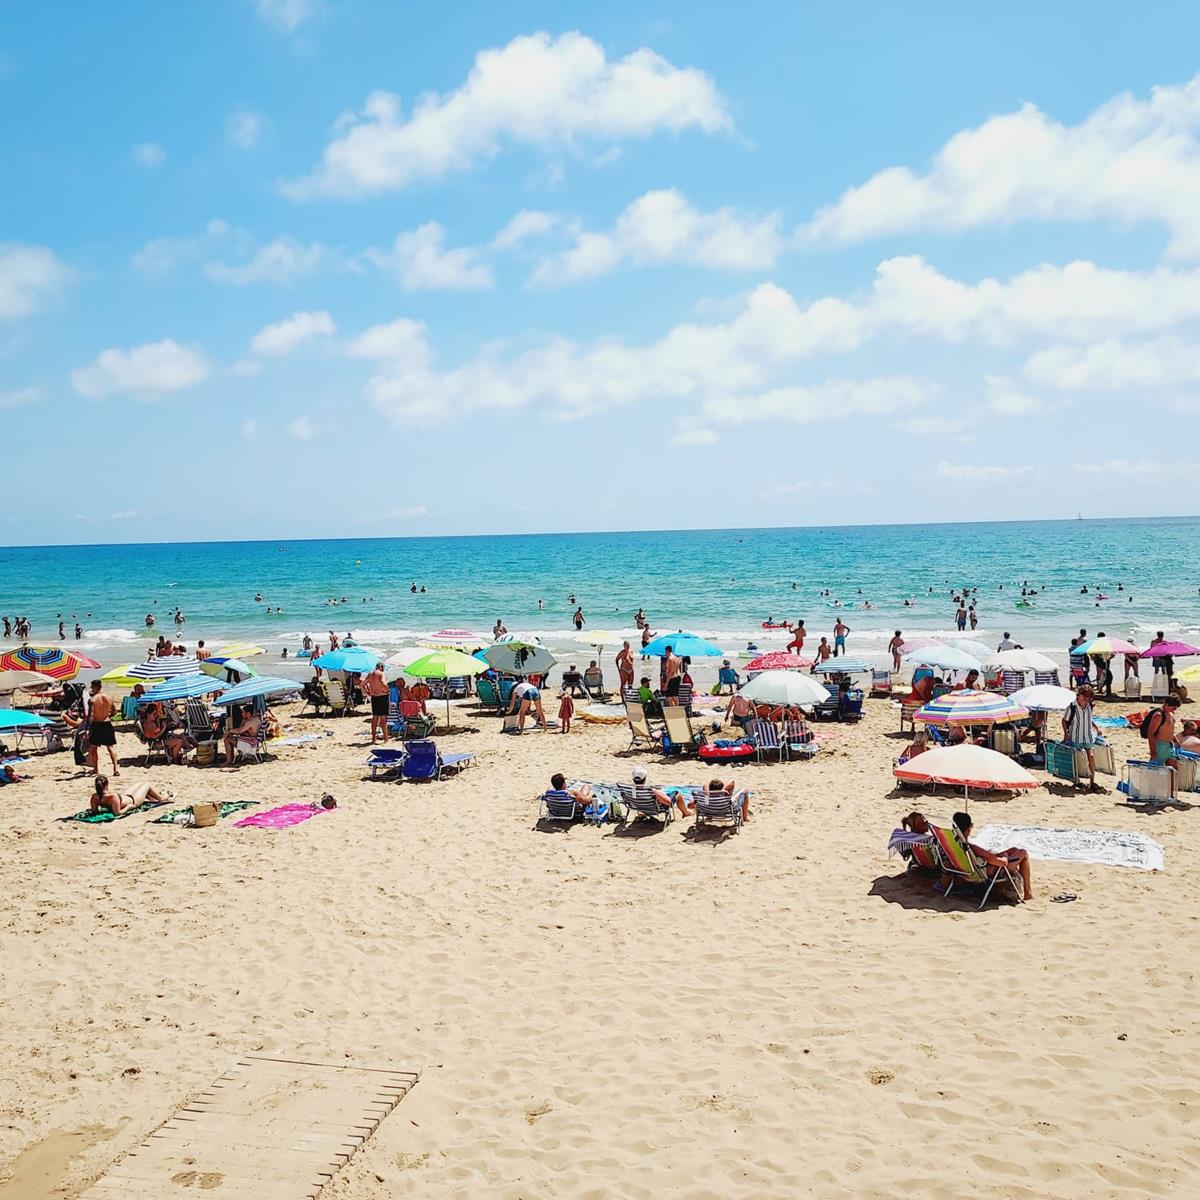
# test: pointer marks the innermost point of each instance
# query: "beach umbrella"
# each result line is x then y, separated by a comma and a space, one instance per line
979, 650
686, 645
1154, 650
11, 681
602, 637
18, 718
779, 660
1044, 697
182, 687
260, 685
966, 766
785, 688
231, 670
55, 661
405, 655
945, 657
1189, 674
519, 658
847, 666
357, 659
120, 677
1020, 660
446, 663
919, 642
1106, 647
165, 667
455, 638
240, 650
970, 707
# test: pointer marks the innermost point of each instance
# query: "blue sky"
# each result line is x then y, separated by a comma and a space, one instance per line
291, 268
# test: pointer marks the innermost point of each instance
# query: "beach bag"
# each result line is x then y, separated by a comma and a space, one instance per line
79, 747
206, 754
1148, 722
204, 815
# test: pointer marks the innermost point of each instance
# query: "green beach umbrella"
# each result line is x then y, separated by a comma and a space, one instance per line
446, 663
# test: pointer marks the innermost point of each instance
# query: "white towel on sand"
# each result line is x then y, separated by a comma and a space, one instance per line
1110, 847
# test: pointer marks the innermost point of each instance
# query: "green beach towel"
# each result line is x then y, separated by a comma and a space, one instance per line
104, 816
183, 816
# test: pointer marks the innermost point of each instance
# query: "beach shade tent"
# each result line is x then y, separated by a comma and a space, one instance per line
970, 707
18, 718
841, 666
969, 646
946, 658
165, 667
1106, 647
967, 766
1157, 650
260, 685
457, 639
518, 658
11, 681
230, 670
789, 689
1044, 697
686, 645
779, 660
182, 687
1020, 660
446, 663
240, 650
357, 659
120, 677
55, 661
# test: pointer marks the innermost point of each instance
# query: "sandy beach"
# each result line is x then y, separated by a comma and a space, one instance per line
603, 1012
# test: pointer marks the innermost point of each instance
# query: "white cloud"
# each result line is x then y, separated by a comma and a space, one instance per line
30, 278
278, 261
528, 223
537, 90
1122, 466
149, 155
1004, 397
159, 257
1130, 160
937, 424
401, 342
829, 400
1115, 365
662, 227
976, 473
302, 429
286, 16
20, 397
419, 260
285, 336
694, 437
125, 514
246, 368
149, 370
249, 429
244, 128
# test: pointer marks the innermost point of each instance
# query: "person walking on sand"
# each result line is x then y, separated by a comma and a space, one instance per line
894, 649
375, 688
625, 667
839, 637
100, 728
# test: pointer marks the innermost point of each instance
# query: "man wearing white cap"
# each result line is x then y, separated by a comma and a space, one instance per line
639, 781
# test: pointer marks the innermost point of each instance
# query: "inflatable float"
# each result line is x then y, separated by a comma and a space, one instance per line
777, 624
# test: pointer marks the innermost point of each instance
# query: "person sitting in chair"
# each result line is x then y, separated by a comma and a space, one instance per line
1013, 858
716, 788
727, 677
639, 781
572, 681
246, 731
593, 679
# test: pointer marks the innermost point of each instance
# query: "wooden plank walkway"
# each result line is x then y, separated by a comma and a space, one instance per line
269, 1128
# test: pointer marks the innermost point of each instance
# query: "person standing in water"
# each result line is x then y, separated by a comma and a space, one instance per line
839, 637
578, 618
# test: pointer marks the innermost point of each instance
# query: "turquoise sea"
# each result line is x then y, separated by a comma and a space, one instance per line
722, 583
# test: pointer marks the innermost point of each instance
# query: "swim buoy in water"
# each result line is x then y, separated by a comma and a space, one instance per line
1023, 604
777, 624
1102, 596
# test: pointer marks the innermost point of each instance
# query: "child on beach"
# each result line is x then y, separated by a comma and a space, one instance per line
566, 710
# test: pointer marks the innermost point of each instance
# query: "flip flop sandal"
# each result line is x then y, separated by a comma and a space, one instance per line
1064, 898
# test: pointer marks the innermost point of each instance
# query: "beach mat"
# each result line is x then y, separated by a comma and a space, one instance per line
283, 817
268, 1129
104, 816
1105, 847
300, 740
183, 816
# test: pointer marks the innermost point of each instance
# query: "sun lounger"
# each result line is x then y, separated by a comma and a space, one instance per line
593, 683
197, 721
798, 739
957, 861
559, 806
765, 738
639, 725
680, 737
1148, 783
336, 694
718, 806
642, 801
425, 762
384, 759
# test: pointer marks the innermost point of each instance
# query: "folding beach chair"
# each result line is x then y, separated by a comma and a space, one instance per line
639, 725
718, 806
485, 689
424, 761
641, 800
680, 737
798, 739
1062, 761
908, 713
850, 704
197, 721
765, 738
244, 748
881, 682
314, 697
956, 859
1147, 783
153, 745
685, 698
1011, 681
336, 694
385, 759
559, 806
829, 709
593, 683
1050, 677
925, 856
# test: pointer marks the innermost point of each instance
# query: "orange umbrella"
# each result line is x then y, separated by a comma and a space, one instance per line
967, 766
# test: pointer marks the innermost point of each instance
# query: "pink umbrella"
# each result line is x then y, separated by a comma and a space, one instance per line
919, 643
967, 766
1169, 649
779, 660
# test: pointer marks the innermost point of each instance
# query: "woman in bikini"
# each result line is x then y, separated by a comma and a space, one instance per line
121, 802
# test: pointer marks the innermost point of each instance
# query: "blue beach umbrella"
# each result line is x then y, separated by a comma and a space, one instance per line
834, 666
686, 645
16, 718
260, 685
182, 687
354, 659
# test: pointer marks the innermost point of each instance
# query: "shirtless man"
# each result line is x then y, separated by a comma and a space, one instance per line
202, 651
839, 637
894, 649
823, 652
798, 636
100, 728
625, 666
1162, 731
740, 710
375, 688
247, 731
671, 676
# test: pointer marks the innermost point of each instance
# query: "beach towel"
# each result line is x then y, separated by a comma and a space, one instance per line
1107, 847
183, 816
299, 741
104, 816
283, 817
1111, 722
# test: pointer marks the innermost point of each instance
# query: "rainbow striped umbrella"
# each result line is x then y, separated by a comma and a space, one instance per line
54, 661
970, 707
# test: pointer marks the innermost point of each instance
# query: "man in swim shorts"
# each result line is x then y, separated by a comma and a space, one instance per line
1161, 735
375, 688
839, 637
100, 728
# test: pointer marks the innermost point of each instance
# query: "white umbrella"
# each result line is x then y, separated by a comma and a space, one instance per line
969, 646
1043, 697
406, 655
945, 657
788, 688
601, 637
1020, 660
10, 681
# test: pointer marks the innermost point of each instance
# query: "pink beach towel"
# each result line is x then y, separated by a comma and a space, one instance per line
283, 817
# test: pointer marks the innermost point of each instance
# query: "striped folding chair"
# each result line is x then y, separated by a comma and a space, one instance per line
764, 736
718, 806
798, 739
559, 806
641, 800
957, 861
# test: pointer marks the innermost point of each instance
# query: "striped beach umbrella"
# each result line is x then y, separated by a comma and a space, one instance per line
841, 666
260, 685
970, 707
182, 687
55, 661
457, 639
165, 667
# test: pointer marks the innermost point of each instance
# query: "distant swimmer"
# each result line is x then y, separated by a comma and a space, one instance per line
258, 597
78, 631
413, 589
149, 620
